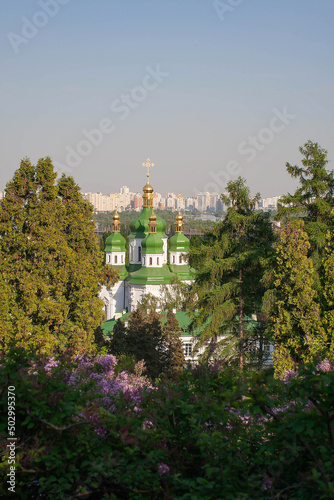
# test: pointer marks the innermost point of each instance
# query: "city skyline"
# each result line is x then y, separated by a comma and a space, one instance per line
209, 90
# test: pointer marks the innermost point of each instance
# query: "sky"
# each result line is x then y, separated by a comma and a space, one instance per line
209, 90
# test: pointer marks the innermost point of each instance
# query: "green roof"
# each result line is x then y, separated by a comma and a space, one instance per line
123, 273
183, 272
115, 243
182, 318
151, 276
152, 244
139, 226
179, 243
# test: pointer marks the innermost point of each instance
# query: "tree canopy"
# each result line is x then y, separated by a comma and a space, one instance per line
296, 317
50, 263
313, 199
230, 264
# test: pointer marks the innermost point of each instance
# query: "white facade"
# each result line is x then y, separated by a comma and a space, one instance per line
177, 258
152, 260
135, 250
115, 258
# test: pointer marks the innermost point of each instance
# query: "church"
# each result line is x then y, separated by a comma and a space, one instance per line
153, 259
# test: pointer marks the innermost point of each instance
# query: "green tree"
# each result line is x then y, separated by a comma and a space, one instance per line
172, 351
145, 337
142, 339
296, 321
50, 262
313, 199
230, 264
328, 293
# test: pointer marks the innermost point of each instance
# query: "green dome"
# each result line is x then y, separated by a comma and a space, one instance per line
139, 226
152, 244
115, 243
179, 243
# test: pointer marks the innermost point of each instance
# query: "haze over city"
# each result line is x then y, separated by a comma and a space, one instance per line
208, 90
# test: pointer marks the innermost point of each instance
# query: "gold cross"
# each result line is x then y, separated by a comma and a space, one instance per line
148, 165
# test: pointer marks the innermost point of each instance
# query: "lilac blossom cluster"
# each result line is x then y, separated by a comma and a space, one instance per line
106, 383
324, 366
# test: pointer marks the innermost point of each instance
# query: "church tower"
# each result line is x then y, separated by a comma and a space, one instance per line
178, 248
152, 245
115, 247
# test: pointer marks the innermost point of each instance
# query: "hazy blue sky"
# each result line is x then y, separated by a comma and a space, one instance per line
207, 89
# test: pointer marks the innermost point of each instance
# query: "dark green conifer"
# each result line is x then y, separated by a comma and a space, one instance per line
230, 265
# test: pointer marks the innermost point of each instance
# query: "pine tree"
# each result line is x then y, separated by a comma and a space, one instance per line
313, 199
50, 262
118, 343
172, 350
296, 321
230, 264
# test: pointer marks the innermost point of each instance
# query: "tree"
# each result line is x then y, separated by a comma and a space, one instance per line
142, 339
230, 264
328, 293
172, 352
145, 338
296, 321
50, 262
313, 200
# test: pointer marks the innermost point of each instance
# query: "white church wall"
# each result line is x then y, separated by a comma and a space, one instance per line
174, 258
115, 258
152, 260
117, 292
134, 245
164, 248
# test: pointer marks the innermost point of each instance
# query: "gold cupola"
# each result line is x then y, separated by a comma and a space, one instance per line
152, 226
116, 223
179, 223
148, 189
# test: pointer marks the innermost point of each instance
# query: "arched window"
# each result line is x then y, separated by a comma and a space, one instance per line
115, 259
151, 262
157, 261
139, 253
180, 259
122, 258
173, 259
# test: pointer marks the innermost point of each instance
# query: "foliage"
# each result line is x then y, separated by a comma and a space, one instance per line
172, 296
230, 264
172, 354
298, 332
313, 199
146, 338
328, 293
209, 434
50, 263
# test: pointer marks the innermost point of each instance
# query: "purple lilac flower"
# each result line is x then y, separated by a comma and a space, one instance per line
289, 375
163, 469
267, 484
52, 363
325, 366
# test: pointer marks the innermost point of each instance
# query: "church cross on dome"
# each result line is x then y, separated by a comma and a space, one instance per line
148, 164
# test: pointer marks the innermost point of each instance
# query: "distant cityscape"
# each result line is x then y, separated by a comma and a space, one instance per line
203, 202
126, 200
